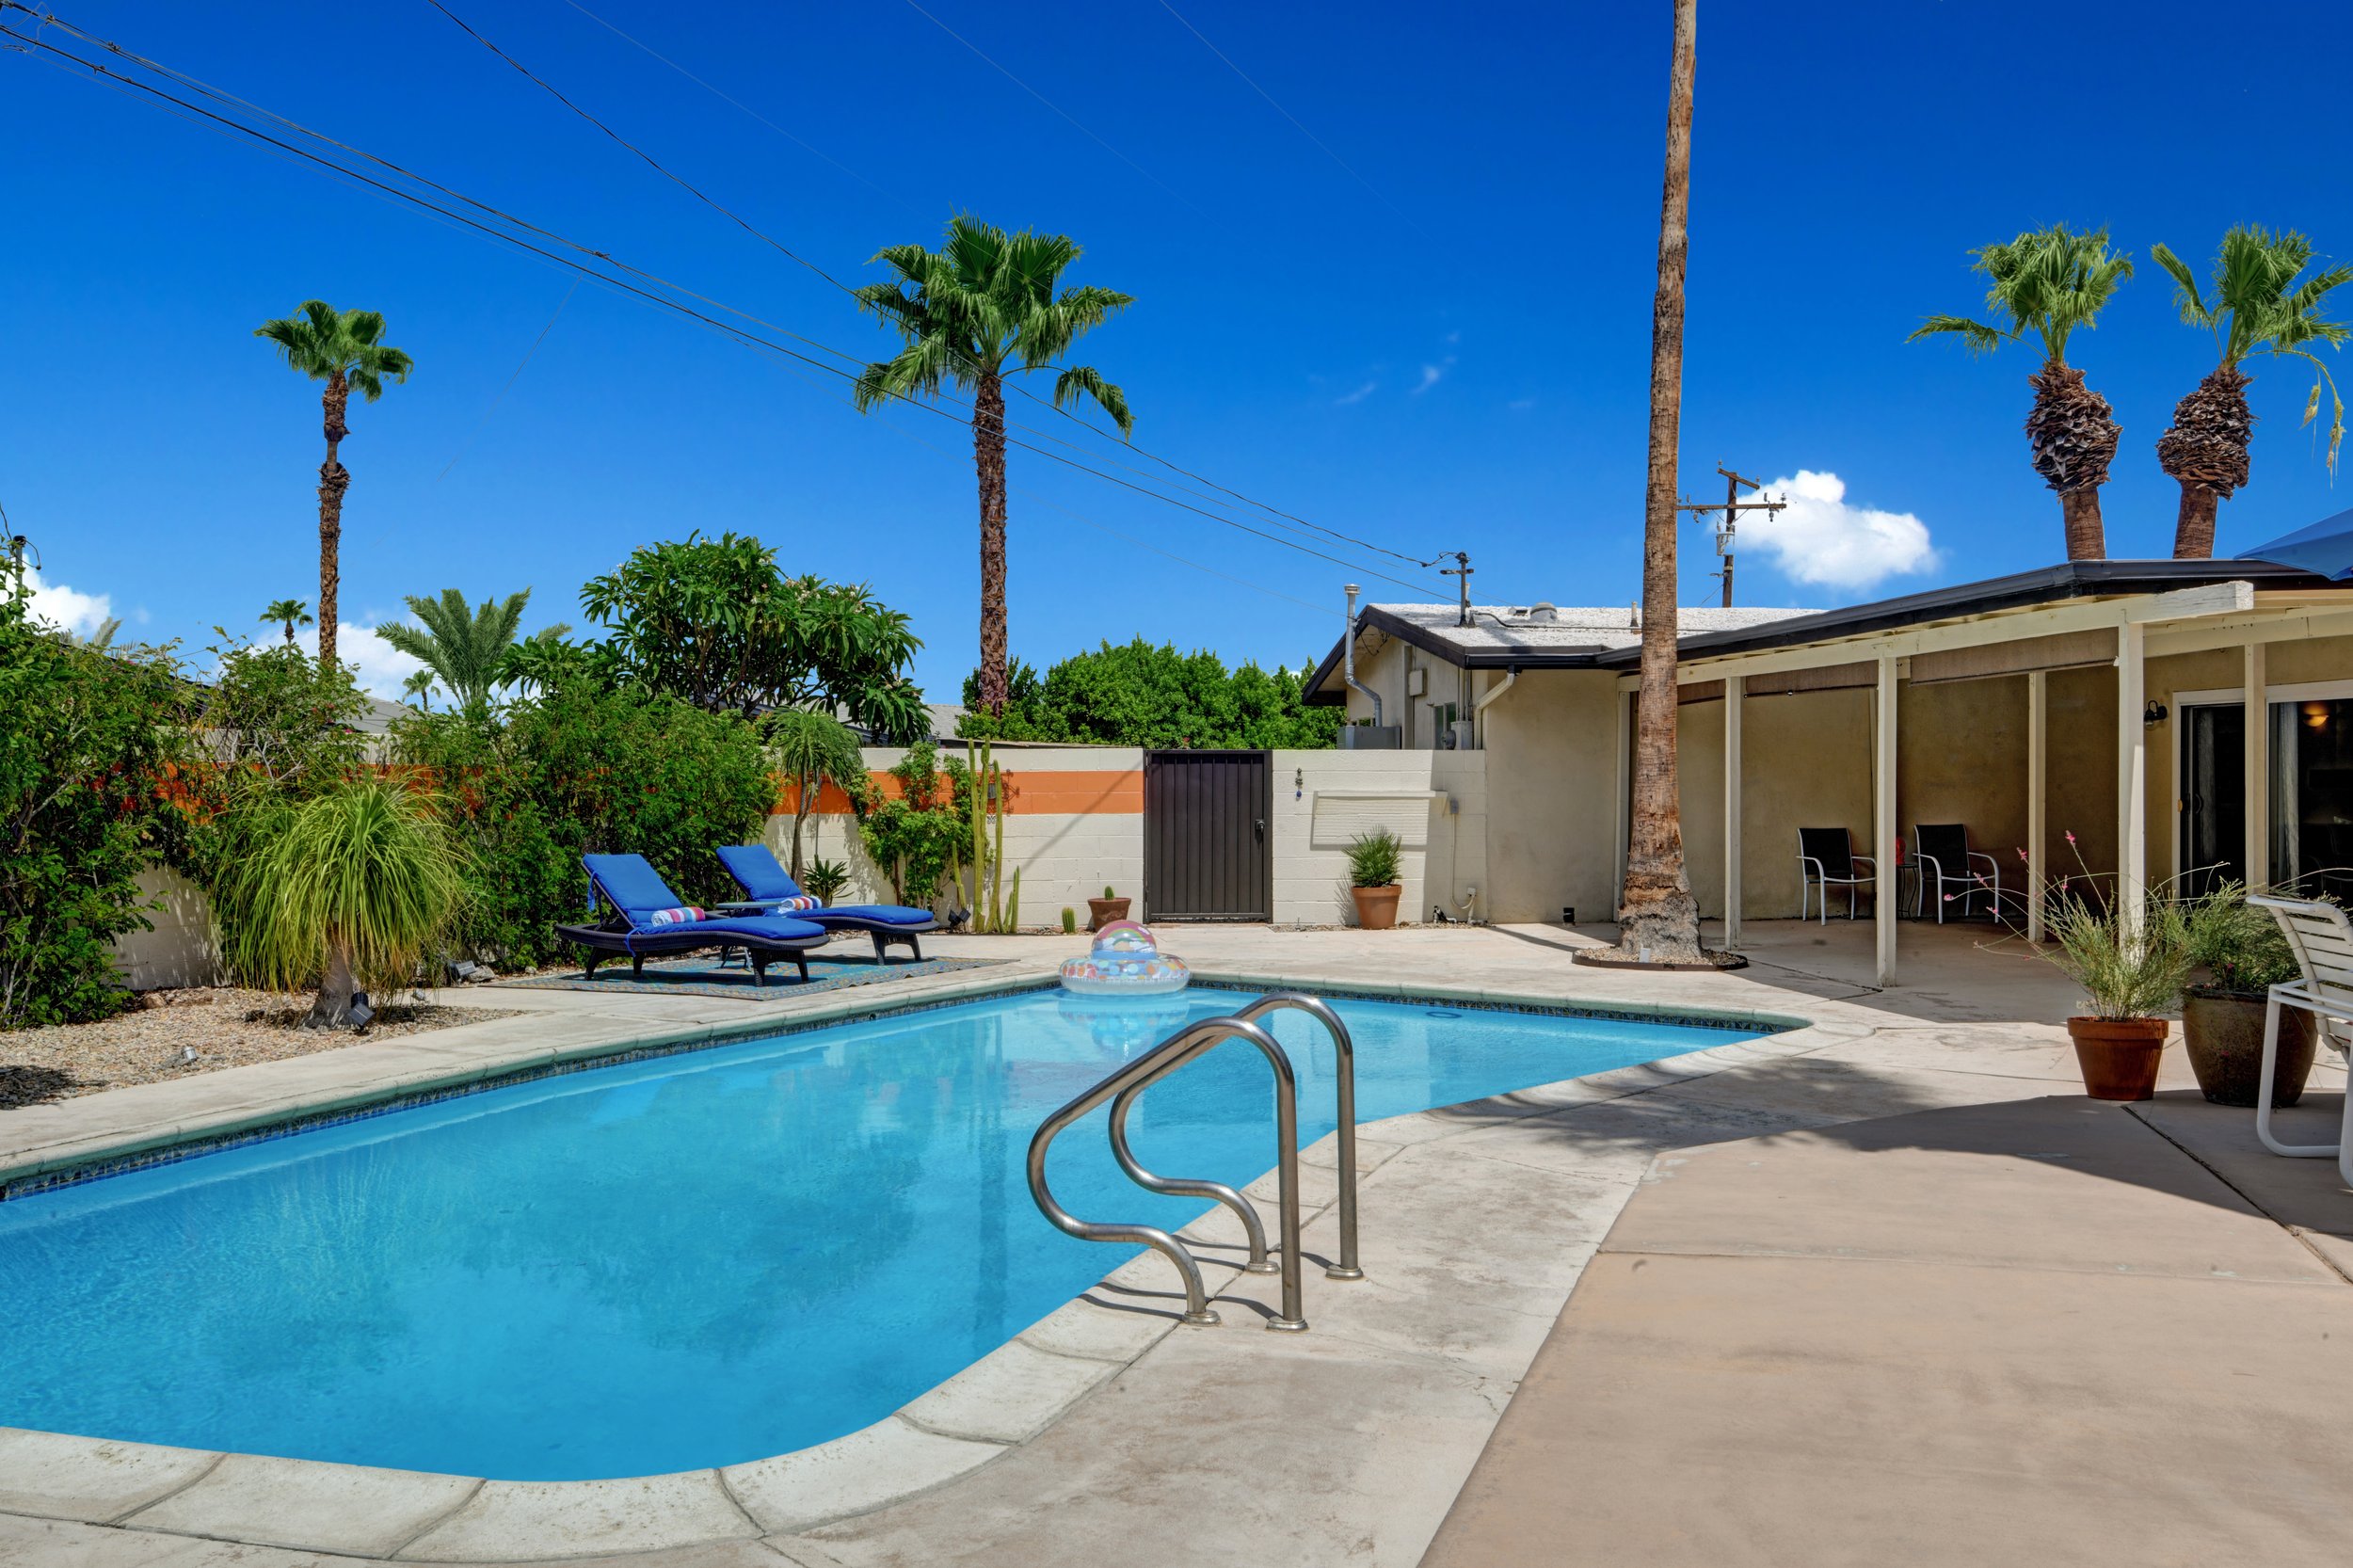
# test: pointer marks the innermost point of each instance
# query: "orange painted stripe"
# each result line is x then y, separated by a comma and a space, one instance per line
1045, 792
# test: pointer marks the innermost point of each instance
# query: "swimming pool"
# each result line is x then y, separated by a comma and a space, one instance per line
683, 1262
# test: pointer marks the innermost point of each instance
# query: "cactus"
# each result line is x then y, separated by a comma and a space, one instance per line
1013, 899
1069, 921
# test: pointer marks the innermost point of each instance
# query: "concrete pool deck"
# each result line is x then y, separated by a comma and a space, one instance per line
1348, 1444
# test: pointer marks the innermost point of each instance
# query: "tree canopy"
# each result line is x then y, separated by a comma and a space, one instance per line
715, 623
1143, 696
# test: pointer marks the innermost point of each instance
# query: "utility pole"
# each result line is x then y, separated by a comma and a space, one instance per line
1731, 506
1460, 569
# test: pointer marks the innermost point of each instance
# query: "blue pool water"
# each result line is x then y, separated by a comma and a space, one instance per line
690, 1261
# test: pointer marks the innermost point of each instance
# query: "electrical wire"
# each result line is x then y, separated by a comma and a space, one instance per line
228, 125
485, 421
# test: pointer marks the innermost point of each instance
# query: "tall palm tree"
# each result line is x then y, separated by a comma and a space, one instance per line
1659, 918
2257, 308
981, 307
343, 348
2051, 281
465, 647
288, 613
811, 748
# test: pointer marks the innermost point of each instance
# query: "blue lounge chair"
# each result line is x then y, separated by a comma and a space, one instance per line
767, 886
636, 892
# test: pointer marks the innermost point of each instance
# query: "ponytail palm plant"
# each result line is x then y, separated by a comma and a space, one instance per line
348, 890
980, 307
2050, 282
2257, 307
345, 349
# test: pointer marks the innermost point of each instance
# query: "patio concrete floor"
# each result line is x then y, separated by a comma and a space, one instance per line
1950, 1276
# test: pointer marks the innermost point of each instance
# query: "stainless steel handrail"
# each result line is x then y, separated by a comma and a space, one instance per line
1162, 1059
1345, 1051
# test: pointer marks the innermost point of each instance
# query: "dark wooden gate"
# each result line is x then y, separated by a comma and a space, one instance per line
1205, 836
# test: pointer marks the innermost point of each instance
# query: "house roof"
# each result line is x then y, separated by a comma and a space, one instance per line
1508, 637
1525, 636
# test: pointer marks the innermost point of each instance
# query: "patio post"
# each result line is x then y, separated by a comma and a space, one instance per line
1884, 822
1734, 687
1621, 792
2132, 772
2038, 767
2258, 785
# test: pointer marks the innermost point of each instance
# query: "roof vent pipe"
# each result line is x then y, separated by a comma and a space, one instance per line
1347, 656
1545, 613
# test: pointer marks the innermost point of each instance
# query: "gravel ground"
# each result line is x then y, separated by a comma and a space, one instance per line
223, 1026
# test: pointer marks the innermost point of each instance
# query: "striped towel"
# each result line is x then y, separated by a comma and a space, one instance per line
685, 915
804, 901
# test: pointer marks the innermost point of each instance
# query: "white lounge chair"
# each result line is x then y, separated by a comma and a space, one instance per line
2322, 939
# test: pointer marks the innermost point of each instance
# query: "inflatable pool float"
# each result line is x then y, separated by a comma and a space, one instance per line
1125, 962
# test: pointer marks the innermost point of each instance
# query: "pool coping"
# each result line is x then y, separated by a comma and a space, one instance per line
987, 1409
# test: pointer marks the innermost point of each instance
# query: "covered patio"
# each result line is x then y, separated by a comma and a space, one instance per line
2142, 721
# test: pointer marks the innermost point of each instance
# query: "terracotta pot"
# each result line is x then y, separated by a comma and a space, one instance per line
2118, 1056
1102, 911
2223, 1033
1376, 907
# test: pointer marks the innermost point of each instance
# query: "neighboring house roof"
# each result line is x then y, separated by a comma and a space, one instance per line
1526, 636
378, 718
2046, 585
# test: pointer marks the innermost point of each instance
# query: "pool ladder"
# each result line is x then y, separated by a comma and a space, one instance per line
1123, 1086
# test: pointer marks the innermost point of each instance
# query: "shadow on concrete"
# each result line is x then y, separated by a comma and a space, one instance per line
25, 1085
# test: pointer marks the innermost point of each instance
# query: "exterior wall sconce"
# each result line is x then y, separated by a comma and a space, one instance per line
2153, 714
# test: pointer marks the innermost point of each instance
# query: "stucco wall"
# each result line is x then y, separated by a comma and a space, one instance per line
1551, 749
1806, 763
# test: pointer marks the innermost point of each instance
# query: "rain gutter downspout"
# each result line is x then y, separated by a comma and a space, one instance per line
1479, 709
1347, 656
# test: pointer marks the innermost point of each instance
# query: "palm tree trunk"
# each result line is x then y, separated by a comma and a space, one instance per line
331, 1007
2193, 527
1658, 913
989, 455
333, 480
2079, 516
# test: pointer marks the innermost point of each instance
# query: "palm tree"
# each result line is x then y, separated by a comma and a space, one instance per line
980, 307
340, 348
465, 647
1659, 918
2257, 308
420, 685
812, 748
2051, 280
288, 613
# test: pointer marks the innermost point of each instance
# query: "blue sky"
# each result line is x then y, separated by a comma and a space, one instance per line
1433, 335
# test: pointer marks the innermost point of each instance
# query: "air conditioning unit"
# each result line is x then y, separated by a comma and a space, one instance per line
1371, 737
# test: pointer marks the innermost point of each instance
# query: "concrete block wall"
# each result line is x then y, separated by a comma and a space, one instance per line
1435, 801
183, 948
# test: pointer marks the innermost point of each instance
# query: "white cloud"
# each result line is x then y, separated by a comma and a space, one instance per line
68, 608
377, 667
1820, 538
1429, 378
1358, 395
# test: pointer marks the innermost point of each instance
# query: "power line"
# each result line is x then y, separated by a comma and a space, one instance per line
737, 103
1285, 113
1051, 104
485, 421
227, 125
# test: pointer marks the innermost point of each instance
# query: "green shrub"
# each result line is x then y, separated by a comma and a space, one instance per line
1139, 695
919, 836
1373, 858
89, 742
825, 878
531, 787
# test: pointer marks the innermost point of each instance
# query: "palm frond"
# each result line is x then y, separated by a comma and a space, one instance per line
2185, 296
1086, 381
1975, 335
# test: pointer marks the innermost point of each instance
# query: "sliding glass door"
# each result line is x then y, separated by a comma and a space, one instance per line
2311, 796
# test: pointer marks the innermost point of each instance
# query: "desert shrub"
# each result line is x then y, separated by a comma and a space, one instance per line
91, 741
918, 835
528, 788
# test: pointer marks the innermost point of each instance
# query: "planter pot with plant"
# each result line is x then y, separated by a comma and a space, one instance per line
2131, 973
2244, 951
1102, 911
1372, 862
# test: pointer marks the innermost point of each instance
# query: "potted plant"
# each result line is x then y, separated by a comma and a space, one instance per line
1102, 911
1373, 859
2129, 979
825, 879
2243, 950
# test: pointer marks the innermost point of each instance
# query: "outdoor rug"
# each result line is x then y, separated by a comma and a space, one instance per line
700, 976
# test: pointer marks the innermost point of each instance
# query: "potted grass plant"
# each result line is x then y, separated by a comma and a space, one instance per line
2243, 951
1372, 862
2130, 979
